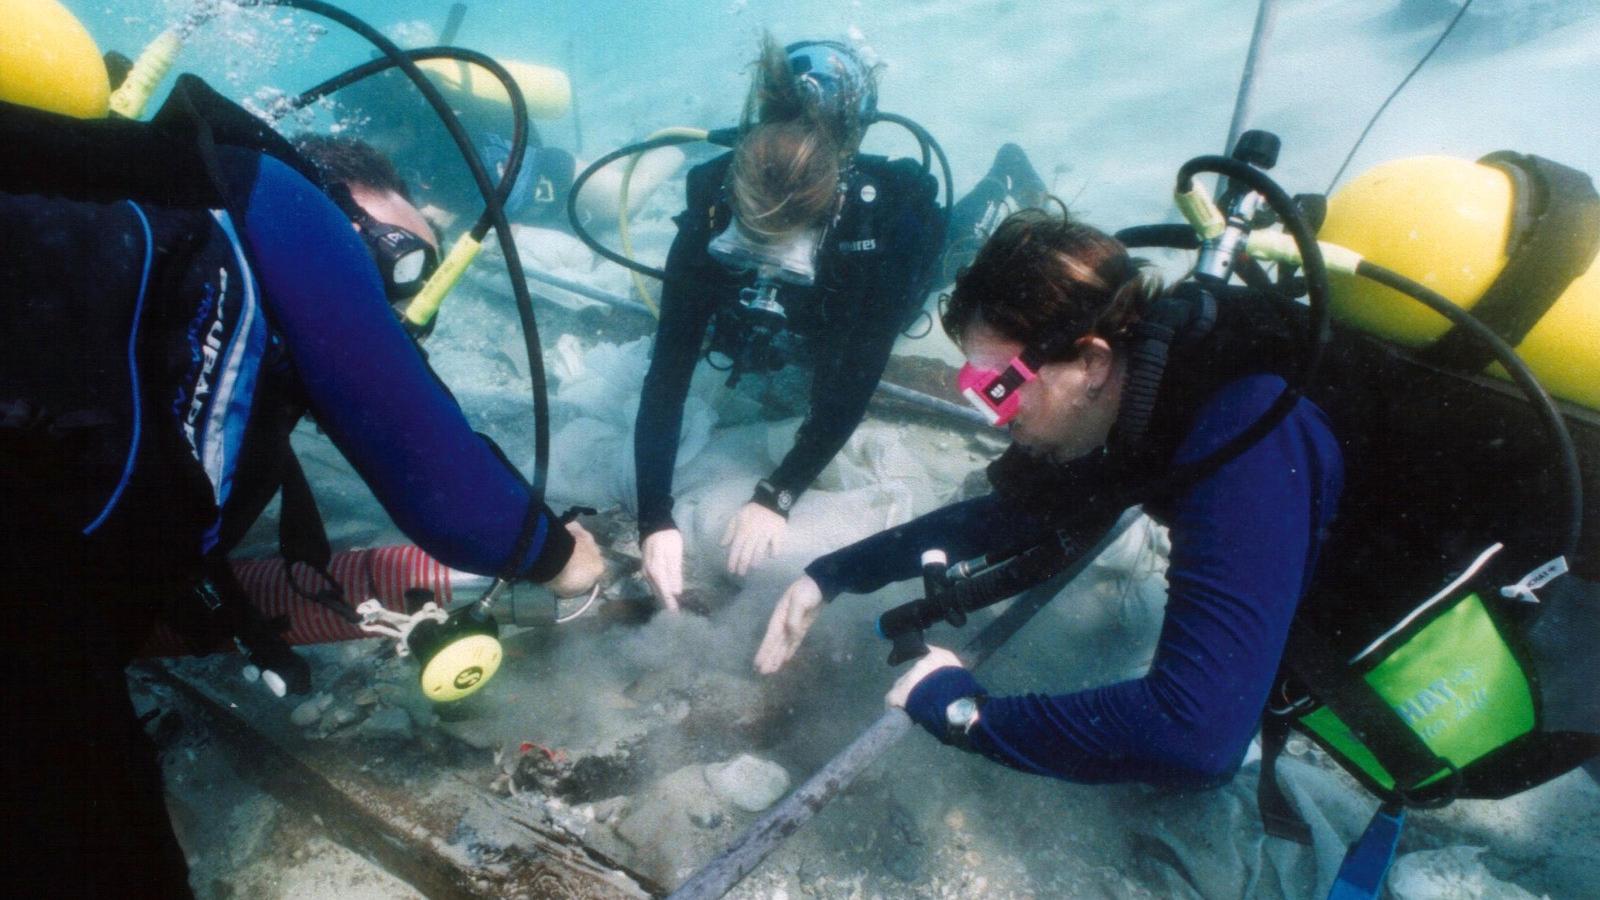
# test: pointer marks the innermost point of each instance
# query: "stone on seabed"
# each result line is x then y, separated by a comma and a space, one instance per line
747, 782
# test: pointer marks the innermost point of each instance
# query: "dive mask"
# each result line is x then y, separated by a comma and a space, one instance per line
995, 393
790, 257
404, 259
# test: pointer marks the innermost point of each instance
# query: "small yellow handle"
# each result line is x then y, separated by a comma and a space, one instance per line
130, 99
1279, 247
423, 307
1201, 211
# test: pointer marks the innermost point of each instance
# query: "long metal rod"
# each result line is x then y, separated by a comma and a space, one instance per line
1266, 20
964, 414
769, 832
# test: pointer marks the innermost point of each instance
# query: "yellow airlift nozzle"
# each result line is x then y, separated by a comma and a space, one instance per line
49, 61
459, 652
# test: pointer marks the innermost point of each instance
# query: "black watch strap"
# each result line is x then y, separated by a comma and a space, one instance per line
778, 499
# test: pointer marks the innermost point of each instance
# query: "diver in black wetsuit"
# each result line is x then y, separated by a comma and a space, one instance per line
144, 424
842, 246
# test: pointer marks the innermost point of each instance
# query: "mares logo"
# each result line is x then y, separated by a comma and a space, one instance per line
205, 352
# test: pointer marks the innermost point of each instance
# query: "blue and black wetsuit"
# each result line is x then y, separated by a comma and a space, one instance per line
157, 359
1245, 542
871, 277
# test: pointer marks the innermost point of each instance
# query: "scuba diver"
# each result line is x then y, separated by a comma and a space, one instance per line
187, 293
1303, 527
841, 245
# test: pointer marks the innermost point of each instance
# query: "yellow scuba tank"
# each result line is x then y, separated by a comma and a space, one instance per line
546, 89
48, 60
1511, 238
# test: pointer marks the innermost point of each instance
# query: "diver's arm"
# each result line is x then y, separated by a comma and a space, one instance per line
685, 313
964, 530
848, 372
1245, 542
370, 391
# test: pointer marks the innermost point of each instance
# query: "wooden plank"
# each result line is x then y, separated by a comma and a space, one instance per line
409, 833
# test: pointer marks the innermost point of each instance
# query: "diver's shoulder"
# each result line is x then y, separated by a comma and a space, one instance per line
901, 177
707, 178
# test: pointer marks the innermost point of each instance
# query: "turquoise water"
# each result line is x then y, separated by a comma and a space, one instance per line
1108, 99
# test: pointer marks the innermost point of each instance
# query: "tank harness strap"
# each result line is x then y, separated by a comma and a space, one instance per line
1374, 722
1185, 316
1367, 862
1555, 235
1278, 817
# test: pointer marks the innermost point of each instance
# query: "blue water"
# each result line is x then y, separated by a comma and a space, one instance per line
1108, 99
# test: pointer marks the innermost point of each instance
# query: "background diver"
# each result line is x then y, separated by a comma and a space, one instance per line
845, 242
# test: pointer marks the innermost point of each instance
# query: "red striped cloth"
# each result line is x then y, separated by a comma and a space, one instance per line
384, 573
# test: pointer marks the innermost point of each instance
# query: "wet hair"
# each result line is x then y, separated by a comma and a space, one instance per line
785, 175
776, 95
785, 171
1047, 280
351, 162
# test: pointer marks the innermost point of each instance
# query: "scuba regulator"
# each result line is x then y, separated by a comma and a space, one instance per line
744, 334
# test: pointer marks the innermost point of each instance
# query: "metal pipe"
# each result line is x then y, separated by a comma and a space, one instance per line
768, 833
964, 414
933, 404
1266, 20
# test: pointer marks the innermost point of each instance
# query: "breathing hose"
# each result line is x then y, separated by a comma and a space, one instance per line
1549, 414
726, 137
421, 310
495, 213
694, 134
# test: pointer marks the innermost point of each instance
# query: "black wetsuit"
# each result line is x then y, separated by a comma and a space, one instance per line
872, 272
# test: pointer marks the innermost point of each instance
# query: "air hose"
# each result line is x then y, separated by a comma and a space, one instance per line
423, 308
725, 137
696, 134
495, 213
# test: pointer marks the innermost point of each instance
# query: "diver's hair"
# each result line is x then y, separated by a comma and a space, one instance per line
351, 162
785, 175
777, 96
1045, 281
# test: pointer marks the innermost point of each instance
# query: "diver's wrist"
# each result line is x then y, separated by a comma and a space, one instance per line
778, 499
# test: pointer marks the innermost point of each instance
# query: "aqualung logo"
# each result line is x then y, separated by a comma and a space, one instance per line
1445, 702
468, 678
206, 335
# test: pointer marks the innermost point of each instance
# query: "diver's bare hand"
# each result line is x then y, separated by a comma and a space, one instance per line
794, 615
937, 658
663, 566
583, 569
754, 533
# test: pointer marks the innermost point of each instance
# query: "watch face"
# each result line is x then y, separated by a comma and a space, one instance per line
785, 500
961, 712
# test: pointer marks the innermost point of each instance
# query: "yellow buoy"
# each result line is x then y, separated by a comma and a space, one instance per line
48, 60
1444, 223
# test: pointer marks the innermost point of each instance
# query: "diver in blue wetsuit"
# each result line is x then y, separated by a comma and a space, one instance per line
1308, 544
1245, 540
162, 355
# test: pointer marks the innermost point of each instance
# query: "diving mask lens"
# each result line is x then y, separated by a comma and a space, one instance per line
405, 260
790, 257
995, 393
